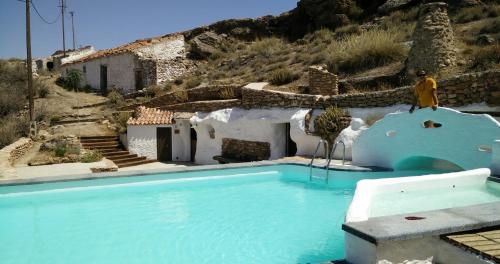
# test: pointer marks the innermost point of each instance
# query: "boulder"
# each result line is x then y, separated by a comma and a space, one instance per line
206, 44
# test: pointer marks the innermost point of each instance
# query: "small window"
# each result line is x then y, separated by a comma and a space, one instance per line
84, 69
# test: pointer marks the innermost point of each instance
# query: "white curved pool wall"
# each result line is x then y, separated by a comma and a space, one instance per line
264, 125
366, 190
464, 139
495, 158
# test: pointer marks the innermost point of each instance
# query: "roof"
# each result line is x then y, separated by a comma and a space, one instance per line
151, 116
129, 47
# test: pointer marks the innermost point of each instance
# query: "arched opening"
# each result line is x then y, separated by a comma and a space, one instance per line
50, 65
426, 163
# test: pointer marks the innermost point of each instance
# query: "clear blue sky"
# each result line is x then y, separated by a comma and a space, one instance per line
108, 23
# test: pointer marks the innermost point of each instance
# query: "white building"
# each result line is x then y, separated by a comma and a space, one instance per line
160, 135
132, 66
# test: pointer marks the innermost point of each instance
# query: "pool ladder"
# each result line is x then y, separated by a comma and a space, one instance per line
329, 157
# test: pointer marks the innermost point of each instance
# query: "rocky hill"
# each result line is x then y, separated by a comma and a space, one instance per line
354, 38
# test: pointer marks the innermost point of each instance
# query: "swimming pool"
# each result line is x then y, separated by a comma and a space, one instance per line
265, 214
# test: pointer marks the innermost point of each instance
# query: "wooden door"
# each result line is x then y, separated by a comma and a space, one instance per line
104, 79
164, 143
139, 84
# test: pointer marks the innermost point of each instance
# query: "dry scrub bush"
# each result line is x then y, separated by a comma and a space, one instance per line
12, 127
474, 13
266, 47
330, 123
192, 82
90, 156
180, 96
282, 76
491, 27
226, 93
115, 98
484, 58
370, 49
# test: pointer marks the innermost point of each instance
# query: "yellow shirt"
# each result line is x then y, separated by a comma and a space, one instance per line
424, 91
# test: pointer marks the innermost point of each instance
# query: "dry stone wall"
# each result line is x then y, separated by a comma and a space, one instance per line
11, 153
244, 150
433, 42
457, 91
322, 82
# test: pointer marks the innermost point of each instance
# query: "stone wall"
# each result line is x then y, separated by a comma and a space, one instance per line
433, 47
11, 153
149, 71
203, 106
214, 92
322, 82
244, 150
457, 91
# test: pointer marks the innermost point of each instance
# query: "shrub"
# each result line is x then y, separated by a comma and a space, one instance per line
322, 36
347, 30
282, 76
266, 47
180, 96
469, 14
492, 27
226, 93
486, 57
60, 151
41, 88
121, 121
115, 98
371, 49
330, 123
192, 82
73, 78
178, 81
61, 81
12, 127
90, 156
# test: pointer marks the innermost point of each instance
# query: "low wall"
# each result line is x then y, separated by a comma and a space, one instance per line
245, 150
359, 210
457, 91
11, 153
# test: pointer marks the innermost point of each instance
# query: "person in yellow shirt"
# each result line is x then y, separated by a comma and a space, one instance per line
425, 92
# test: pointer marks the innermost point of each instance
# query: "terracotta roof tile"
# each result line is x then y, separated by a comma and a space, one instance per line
129, 47
151, 116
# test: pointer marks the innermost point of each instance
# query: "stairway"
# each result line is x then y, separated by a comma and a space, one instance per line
111, 149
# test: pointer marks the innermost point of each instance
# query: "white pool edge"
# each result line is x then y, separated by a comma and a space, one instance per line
359, 209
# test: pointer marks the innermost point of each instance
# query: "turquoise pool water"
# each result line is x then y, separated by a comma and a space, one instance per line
268, 214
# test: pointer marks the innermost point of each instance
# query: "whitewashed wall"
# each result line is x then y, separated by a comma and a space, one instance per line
121, 73
77, 54
464, 139
164, 50
142, 140
264, 125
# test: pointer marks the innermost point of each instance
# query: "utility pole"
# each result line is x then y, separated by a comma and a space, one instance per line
29, 62
73, 29
62, 16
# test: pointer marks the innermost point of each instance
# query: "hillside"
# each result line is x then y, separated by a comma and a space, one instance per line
367, 42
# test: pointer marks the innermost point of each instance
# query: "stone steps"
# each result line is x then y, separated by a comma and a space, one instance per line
134, 163
110, 148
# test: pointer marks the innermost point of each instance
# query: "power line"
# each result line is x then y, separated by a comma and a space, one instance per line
40, 16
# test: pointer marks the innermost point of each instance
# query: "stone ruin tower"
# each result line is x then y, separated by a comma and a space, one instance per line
433, 48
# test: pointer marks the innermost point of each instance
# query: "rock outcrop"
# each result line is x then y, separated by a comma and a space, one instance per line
206, 44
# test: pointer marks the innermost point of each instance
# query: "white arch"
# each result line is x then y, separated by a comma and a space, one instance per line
463, 139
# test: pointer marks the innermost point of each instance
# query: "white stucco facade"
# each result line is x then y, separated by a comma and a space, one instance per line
142, 140
120, 72
134, 65
263, 125
464, 139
